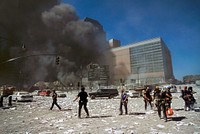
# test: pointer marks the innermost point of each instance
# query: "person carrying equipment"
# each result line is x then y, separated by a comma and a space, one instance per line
147, 97
187, 95
159, 99
168, 97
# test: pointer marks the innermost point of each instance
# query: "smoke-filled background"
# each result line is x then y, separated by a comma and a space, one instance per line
46, 29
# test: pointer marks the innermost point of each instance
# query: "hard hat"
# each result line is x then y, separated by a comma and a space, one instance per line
157, 87
168, 86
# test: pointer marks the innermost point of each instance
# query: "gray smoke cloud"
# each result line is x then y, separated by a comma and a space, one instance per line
40, 28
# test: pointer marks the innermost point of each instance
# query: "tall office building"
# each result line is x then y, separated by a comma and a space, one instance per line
146, 62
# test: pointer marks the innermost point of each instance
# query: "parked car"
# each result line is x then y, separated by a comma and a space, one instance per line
132, 94
129, 93
61, 94
110, 93
22, 96
35, 93
173, 89
45, 93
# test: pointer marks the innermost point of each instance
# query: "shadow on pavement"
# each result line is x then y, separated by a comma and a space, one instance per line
180, 118
137, 113
100, 116
178, 109
67, 109
7, 107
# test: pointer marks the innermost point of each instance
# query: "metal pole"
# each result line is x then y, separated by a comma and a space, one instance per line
81, 74
138, 80
138, 76
26, 56
1, 101
10, 100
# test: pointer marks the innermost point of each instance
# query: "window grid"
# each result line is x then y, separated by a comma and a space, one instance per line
146, 58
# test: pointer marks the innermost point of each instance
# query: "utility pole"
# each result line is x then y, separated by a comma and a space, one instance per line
138, 73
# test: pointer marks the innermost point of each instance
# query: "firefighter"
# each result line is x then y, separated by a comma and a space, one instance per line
168, 97
163, 104
187, 95
147, 97
160, 102
157, 96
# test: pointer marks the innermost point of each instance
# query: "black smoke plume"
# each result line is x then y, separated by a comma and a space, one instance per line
46, 29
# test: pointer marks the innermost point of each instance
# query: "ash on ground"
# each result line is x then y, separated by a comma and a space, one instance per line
36, 118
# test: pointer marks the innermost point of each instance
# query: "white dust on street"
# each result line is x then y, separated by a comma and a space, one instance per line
36, 118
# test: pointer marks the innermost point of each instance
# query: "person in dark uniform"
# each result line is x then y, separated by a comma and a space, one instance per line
123, 101
163, 104
159, 98
54, 97
187, 95
147, 97
185, 98
168, 97
83, 101
191, 97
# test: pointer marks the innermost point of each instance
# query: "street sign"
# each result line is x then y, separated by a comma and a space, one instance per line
98, 72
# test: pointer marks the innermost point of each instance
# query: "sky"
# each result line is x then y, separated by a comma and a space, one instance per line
177, 22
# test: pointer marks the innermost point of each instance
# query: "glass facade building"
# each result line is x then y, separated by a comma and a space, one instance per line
146, 62
147, 58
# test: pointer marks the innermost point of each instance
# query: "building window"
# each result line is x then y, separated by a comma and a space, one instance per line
147, 57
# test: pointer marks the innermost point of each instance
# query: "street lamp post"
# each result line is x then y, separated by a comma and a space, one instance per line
81, 68
26, 56
138, 68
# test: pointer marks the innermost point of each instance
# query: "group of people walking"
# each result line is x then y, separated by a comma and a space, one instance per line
187, 95
82, 101
162, 100
161, 97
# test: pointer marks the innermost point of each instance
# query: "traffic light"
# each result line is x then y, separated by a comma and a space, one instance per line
57, 60
121, 81
78, 84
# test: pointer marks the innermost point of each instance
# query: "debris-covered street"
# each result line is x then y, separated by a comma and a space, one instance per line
136, 60
35, 117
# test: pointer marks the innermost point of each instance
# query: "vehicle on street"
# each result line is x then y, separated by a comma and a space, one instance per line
129, 93
132, 94
197, 82
110, 93
45, 93
173, 89
35, 93
22, 96
61, 94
